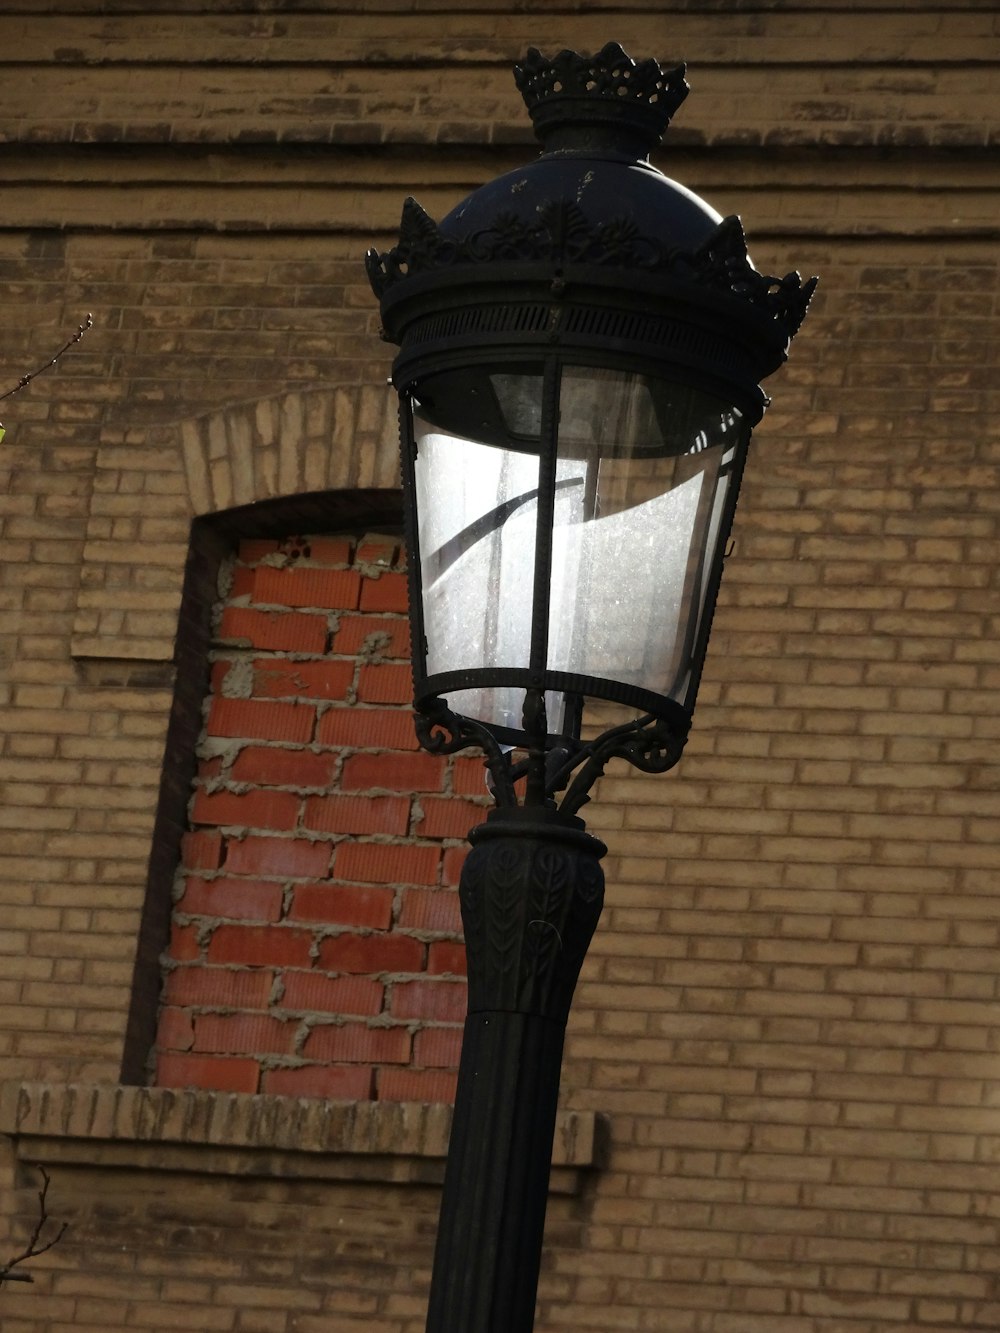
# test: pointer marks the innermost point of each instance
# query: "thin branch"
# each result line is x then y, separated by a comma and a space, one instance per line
25, 380
34, 1249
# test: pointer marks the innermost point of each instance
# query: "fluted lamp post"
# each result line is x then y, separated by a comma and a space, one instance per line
581, 345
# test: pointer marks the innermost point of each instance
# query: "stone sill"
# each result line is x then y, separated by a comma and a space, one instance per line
237, 1134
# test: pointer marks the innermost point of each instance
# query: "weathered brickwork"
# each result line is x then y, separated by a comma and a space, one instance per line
247, 95
788, 1015
316, 945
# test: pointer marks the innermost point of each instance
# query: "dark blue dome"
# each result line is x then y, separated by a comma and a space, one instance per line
605, 188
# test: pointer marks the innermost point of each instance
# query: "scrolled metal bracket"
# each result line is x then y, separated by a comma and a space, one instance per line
651, 744
440, 731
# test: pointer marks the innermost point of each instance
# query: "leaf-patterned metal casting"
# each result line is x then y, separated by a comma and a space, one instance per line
564, 235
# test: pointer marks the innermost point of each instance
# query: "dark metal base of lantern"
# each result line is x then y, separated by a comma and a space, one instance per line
653, 744
532, 891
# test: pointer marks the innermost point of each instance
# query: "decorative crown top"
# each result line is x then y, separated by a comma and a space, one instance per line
608, 89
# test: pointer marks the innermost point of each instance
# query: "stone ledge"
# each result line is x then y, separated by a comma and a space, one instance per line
225, 1133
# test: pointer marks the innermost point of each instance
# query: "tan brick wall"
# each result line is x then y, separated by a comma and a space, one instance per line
788, 1013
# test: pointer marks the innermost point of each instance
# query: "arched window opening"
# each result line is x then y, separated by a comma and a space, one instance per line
307, 850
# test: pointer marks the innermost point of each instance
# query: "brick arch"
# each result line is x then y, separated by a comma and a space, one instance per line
149, 485
301, 441
302, 932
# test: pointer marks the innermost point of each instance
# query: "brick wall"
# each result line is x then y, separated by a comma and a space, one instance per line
316, 943
788, 1013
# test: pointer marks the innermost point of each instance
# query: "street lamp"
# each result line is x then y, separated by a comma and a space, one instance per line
581, 345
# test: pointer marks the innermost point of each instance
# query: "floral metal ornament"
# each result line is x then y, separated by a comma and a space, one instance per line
562, 234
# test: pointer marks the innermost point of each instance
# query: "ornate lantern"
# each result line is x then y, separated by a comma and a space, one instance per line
581, 348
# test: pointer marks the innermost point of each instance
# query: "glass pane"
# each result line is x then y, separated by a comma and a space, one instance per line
643, 467
477, 508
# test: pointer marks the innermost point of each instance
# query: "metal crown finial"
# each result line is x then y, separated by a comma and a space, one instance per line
608, 89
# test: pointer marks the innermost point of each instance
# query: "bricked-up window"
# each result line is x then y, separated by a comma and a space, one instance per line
316, 938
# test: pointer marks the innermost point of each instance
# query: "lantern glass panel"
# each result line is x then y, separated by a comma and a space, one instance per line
643, 467
477, 508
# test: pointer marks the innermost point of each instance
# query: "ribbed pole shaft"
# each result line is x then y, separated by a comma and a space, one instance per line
531, 892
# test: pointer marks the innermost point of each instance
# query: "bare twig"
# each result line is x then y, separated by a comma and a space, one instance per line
25, 380
34, 1248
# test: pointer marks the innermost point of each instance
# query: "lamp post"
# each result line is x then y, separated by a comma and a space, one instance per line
581, 345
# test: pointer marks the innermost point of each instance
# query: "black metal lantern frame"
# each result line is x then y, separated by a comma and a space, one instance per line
588, 263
